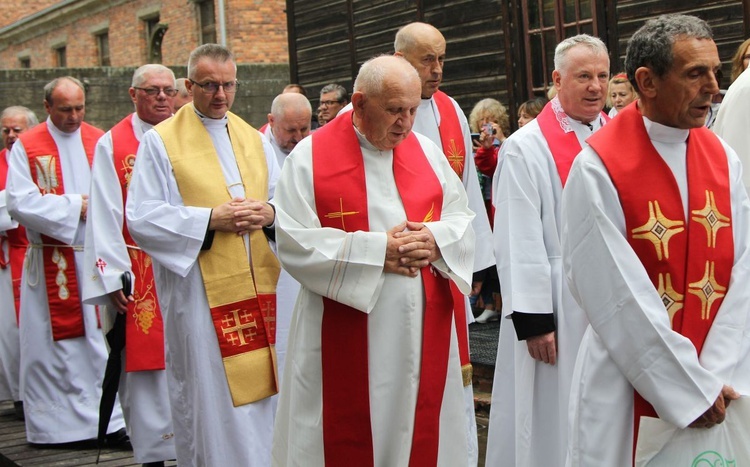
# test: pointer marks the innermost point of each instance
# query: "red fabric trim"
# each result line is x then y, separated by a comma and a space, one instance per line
563, 146
66, 313
451, 134
690, 250
340, 187
243, 326
144, 326
17, 243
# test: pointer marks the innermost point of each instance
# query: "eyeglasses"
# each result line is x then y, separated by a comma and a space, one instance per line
329, 103
171, 92
212, 87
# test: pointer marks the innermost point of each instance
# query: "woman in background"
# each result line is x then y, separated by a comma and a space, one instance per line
620, 93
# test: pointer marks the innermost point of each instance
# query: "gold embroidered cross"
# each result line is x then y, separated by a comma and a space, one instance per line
456, 157
673, 301
341, 213
658, 229
710, 218
235, 329
707, 290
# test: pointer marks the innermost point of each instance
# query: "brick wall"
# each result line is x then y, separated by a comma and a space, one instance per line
107, 99
256, 32
13, 10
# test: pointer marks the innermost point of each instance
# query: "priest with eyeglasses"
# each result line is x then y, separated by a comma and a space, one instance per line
198, 205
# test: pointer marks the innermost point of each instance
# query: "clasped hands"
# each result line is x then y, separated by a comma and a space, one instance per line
411, 246
241, 215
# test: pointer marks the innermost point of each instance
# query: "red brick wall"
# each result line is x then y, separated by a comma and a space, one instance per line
256, 33
13, 10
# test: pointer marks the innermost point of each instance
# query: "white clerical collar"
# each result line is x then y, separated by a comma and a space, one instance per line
58, 132
212, 123
363, 140
665, 134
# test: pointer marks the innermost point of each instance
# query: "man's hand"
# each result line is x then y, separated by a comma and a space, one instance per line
718, 411
120, 301
543, 348
394, 263
241, 216
84, 206
423, 247
253, 215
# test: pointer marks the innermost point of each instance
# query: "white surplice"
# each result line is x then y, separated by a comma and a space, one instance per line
61, 381
143, 394
394, 305
733, 122
630, 340
426, 122
209, 430
528, 418
9, 345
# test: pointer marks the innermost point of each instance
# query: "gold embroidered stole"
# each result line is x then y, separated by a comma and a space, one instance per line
242, 299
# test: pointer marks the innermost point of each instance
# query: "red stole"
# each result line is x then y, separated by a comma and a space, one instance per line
66, 314
690, 264
454, 148
561, 138
17, 242
341, 203
144, 326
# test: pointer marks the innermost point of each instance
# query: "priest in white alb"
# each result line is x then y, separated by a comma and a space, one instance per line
62, 348
656, 247
198, 203
374, 224
110, 252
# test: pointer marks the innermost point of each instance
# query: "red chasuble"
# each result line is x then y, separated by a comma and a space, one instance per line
144, 326
66, 314
341, 203
16, 240
560, 136
689, 261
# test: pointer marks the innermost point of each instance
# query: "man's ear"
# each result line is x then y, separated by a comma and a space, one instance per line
646, 80
556, 76
270, 120
358, 101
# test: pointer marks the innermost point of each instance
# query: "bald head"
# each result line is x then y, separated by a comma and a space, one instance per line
423, 46
385, 100
289, 119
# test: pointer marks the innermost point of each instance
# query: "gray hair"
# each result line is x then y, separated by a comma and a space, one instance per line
561, 51
214, 52
651, 45
373, 73
52, 85
289, 100
13, 110
341, 94
141, 74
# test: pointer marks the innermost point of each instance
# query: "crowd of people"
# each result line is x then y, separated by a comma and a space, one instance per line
300, 294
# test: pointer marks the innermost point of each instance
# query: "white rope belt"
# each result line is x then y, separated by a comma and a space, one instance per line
34, 249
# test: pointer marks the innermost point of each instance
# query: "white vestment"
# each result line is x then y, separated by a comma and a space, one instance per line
209, 430
9, 344
287, 288
143, 394
528, 418
733, 122
394, 305
61, 381
630, 340
426, 122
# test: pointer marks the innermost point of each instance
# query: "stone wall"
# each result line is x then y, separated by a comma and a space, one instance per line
108, 101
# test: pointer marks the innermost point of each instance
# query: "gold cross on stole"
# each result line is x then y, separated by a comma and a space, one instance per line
236, 332
341, 213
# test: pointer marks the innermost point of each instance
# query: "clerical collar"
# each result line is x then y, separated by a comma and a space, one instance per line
363, 140
665, 134
140, 126
58, 132
208, 121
